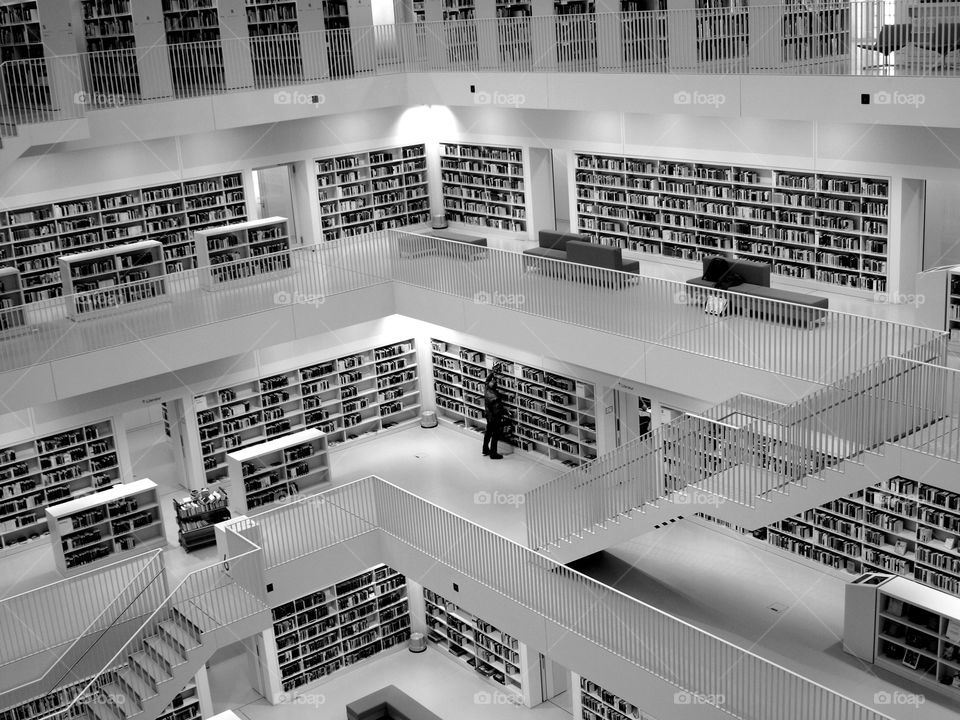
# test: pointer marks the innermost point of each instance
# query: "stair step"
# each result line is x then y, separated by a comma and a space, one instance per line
119, 697
136, 683
103, 711
150, 666
164, 651
182, 639
192, 616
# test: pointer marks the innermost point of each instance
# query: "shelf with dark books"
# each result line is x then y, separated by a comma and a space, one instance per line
336, 627
346, 398
242, 251
484, 185
197, 515
192, 30
821, 227
108, 28
548, 413
274, 29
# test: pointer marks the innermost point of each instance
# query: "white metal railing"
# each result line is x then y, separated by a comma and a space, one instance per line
774, 448
796, 341
223, 593
35, 621
742, 683
865, 37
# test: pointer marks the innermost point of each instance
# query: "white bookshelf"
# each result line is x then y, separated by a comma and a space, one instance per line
475, 644
242, 251
295, 464
48, 470
824, 228
12, 317
112, 279
551, 414
372, 190
484, 185
105, 526
592, 702
347, 397
334, 628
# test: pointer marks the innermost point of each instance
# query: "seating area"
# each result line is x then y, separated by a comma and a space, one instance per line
388, 703
578, 249
748, 281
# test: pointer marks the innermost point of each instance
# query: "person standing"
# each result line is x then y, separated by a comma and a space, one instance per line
494, 409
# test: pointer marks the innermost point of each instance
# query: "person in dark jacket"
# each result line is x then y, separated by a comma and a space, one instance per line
494, 411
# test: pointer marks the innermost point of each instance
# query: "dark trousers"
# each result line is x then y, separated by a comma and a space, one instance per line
491, 435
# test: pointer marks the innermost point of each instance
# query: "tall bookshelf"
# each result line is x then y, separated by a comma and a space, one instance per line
33, 237
576, 32
812, 33
21, 40
481, 647
108, 28
898, 526
335, 628
372, 190
550, 413
104, 526
645, 37
953, 303
345, 398
294, 464
336, 17
460, 31
723, 32
193, 35
274, 28
827, 228
41, 472
484, 185
514, 32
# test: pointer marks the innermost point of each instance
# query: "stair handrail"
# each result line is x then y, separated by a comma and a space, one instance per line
101, 678
154, 555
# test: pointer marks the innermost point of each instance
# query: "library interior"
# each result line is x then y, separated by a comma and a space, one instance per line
271, 269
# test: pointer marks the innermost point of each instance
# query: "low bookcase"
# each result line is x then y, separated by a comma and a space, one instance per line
102, 527
242, 251
272, 471
112, 279
197, 515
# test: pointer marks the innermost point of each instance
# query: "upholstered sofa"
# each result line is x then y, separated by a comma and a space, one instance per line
553, 244
748, 281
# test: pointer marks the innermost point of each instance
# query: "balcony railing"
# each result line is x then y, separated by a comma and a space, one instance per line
865, 37
810, 344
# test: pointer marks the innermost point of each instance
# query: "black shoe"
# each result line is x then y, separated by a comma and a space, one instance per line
486, 452
496, 456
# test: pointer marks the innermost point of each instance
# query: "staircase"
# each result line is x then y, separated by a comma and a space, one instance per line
164, 659
746, 463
